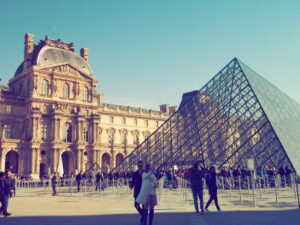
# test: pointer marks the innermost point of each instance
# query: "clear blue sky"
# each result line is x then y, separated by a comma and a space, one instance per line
147, 53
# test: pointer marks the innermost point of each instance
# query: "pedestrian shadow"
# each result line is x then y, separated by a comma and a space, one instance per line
257, 217
262, 217
114, 219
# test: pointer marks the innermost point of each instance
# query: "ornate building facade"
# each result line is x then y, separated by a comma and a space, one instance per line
52, 115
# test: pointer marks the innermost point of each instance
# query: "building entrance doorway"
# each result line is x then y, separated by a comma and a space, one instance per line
68, 163
43, 171
11, 161
105, 162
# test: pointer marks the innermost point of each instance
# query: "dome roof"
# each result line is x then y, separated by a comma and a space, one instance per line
50, 56
54, 52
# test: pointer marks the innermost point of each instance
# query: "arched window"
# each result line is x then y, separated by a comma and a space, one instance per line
7, 130
45, 87
66, 90
85, 94
86, 134
136, 139
44, 131
124, 138
67, 132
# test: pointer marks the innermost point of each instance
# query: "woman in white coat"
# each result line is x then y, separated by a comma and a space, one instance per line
147, 195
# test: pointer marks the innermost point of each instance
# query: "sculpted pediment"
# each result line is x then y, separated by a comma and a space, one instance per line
66, 69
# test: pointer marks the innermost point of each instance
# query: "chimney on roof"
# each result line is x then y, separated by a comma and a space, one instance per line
164, 108
173, 109
28, 45
84, 53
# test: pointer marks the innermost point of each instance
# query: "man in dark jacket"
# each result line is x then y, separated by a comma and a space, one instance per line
5, 188
136, 183
78, 180
211, 182
196, 176
54, 182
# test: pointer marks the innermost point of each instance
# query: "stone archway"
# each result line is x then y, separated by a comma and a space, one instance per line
105, 162
12, 161
119, 158
68, 163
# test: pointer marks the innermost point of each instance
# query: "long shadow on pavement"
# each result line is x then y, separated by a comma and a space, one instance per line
285, 217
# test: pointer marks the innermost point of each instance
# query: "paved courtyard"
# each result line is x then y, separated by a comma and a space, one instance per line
36, 206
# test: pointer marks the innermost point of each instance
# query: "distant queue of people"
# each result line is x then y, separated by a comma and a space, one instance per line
241, 176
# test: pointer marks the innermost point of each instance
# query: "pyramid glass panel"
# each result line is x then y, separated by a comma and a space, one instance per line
236, 116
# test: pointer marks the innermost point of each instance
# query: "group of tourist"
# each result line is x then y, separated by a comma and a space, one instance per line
196, 176
144, 183
239, 177
7, 190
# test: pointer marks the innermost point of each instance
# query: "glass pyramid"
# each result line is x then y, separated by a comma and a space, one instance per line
237, 115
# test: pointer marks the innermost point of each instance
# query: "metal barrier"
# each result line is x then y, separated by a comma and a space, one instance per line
251, 189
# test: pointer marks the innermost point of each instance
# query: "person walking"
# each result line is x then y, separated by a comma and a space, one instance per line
136, 183
13, 185
78, 180
196, 177
99, 181
211, 182
5, 190
54, 182
147, 195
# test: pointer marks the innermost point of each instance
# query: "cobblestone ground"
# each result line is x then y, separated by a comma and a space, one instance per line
36, 206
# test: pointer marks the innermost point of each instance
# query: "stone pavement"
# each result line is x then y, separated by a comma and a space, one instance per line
115, 207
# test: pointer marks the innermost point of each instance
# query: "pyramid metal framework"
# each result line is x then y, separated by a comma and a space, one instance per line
237, 115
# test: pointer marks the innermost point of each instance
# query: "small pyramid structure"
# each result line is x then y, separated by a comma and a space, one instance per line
238, 115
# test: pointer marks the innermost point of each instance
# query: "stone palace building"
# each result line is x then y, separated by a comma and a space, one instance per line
52, 115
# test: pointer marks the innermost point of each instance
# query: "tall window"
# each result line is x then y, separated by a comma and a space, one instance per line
45, 87
86, 134
111, 119
124, 138
157, 124
8, 109
85, 94
136, 139
135, 122
66, 90
44, 131
146, 123
123, 120
7, 130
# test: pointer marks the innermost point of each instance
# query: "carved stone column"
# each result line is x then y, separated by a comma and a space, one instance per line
54, 159
33, 162
80, 130
113, 160
37, 160
58, 128
78, 161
